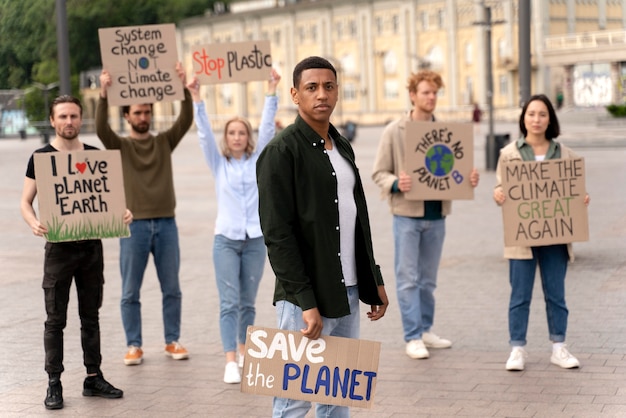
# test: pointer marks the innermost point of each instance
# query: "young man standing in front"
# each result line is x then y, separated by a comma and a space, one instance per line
316, 226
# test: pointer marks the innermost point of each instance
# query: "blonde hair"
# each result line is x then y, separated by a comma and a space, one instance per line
251, 142
424, 75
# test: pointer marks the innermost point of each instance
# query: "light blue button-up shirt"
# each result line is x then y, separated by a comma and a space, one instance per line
235, 179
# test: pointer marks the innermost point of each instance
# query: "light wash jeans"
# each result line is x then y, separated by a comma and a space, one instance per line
158, 236
238, 270
552, 260
418, 247
289, 318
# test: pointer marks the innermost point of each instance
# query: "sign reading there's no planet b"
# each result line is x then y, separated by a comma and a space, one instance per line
232, 62
81, 195
142, 63
439, 157
545, 202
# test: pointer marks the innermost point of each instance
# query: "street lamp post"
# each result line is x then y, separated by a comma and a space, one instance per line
45, 88
490, 148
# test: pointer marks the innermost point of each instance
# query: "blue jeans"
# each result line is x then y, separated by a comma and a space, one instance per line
289, 318
552, 260
418, 246
238, 270
158, 236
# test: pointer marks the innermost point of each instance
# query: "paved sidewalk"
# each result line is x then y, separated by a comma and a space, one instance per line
467, 380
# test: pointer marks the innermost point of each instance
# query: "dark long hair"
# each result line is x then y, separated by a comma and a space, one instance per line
553, 130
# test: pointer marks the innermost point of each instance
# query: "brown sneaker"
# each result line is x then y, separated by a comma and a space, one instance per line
134, 356
176, 351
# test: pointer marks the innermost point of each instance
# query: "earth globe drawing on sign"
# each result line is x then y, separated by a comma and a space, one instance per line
439, 160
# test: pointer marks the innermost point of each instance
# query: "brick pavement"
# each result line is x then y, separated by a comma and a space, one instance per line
467, 380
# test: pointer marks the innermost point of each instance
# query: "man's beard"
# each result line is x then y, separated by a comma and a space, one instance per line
141, 129
73, 134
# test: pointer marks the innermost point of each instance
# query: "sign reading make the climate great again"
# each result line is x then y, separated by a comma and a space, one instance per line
545, 202
439, 157
142, 63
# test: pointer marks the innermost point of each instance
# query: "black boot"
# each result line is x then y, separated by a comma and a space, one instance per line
54, 397
97, 386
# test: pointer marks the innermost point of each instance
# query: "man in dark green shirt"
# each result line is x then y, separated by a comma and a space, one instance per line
315, 223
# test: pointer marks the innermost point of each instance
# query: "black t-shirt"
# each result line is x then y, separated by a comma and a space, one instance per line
30, 170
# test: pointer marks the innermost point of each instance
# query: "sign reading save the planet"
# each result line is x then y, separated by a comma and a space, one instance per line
330, 370
545, 202
81, 195
439, 157
142, 63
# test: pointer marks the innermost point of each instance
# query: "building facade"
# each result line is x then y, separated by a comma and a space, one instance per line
578, 53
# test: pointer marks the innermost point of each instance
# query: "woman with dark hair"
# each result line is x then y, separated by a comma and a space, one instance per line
238, 250
539, 127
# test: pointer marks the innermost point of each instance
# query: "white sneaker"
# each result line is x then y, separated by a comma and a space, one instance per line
516, 359
240, 362
563, 358
416, 349
434, 341
231, 373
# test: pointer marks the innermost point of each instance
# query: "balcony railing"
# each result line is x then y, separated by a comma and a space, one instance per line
585, 40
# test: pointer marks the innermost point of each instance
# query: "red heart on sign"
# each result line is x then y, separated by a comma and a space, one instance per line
81, 167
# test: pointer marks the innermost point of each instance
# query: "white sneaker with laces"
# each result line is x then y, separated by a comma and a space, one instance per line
516, 359
231, 373
416, 349
434, 341
563, 358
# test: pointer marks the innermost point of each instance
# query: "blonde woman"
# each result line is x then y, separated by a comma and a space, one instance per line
238, 249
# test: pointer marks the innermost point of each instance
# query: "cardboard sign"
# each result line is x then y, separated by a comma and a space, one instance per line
544, 202
142, 63
81, 195
329, 370
439, 157
232, 62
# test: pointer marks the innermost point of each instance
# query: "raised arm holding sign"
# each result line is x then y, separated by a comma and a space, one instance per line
149, 186
539, 184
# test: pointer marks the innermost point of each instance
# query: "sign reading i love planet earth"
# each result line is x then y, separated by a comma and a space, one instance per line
439, 157
81, 195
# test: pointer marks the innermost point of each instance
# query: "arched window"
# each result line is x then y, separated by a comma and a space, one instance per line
390, 62
435, 58
348, 64
469, 53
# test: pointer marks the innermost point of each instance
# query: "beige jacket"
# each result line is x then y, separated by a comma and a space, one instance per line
387, 167
511, 153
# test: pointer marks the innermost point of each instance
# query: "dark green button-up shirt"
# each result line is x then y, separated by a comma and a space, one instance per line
299, 212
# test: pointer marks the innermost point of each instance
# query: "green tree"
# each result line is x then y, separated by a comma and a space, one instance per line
28, 45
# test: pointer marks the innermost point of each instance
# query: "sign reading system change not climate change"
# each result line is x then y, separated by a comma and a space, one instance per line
439, 157
545, 202
142, 63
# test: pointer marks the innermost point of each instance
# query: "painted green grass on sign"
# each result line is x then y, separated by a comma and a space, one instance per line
58, 231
